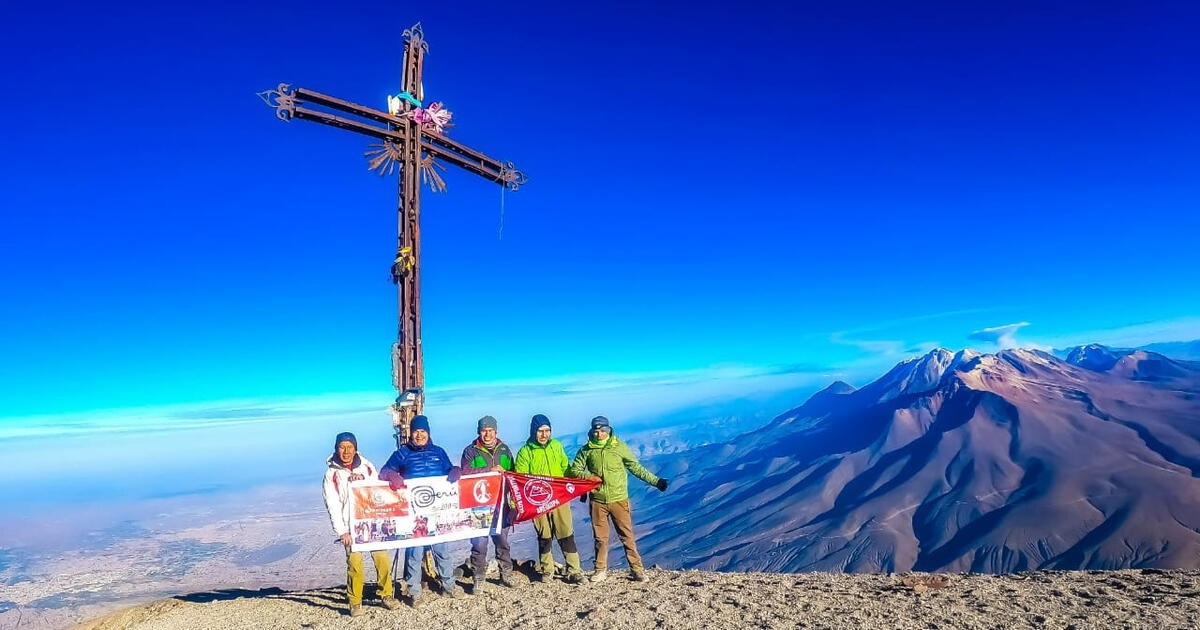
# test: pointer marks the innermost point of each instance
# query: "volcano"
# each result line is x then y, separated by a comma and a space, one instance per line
952, 461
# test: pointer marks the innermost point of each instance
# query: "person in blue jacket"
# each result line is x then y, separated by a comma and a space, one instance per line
420, 457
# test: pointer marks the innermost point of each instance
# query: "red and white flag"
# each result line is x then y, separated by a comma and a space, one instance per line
534, 495
476, 491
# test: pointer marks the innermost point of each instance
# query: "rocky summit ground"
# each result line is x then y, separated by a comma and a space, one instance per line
695, 599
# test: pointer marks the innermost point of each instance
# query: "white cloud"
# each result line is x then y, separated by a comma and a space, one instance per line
199, 444
455, 409
884, 349
881, 351
575, 399
1003, 336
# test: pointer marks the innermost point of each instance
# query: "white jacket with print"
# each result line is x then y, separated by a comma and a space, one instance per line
337, 489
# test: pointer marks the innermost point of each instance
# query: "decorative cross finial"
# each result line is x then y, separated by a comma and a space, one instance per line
415, 37
282, 99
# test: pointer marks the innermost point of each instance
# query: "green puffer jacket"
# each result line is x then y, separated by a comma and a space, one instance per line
535, 459
609, 462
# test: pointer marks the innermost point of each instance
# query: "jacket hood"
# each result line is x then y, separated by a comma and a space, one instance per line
537, 422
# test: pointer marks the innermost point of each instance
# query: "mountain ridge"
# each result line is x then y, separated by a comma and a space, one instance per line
1010, 461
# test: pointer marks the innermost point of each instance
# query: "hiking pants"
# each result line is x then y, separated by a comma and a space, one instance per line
621, 514
556, 524
355, 576
479, 554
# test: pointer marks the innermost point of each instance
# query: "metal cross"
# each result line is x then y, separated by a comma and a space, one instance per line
412, 141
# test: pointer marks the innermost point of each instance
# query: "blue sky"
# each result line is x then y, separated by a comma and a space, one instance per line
814, 188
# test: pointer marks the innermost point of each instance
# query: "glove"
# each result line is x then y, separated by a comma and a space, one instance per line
395, 482
453, 474
662, 484
583, 498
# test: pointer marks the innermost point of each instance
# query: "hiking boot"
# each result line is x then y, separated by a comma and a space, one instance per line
574, 577
540, 577
415, 601
356, 610
506, 581
479, 586
599, 575
638, 575
453, 592
390, 603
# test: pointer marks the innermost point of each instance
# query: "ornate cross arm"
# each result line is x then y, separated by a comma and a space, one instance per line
289, 104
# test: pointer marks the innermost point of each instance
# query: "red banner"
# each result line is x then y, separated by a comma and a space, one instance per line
534, 495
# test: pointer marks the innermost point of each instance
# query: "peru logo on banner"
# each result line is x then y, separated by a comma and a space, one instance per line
535, 495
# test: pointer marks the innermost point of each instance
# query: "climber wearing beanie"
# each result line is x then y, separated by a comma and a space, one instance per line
607, 459
544, 455
488, 453
420, 457
343, 467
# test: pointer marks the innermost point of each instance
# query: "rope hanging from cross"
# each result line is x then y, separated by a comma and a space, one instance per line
413, 143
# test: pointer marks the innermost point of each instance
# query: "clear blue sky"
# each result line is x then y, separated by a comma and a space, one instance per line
790, 183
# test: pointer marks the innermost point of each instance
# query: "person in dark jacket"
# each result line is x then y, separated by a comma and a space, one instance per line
488, 454
420, 457
609, 460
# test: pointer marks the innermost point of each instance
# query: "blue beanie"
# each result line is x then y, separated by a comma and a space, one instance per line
345, 436
536, 423
419, 423
600, 421
486, 421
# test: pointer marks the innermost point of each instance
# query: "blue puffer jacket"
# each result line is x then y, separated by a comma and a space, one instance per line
411, 461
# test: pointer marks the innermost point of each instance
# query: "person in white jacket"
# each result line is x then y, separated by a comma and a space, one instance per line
345, 466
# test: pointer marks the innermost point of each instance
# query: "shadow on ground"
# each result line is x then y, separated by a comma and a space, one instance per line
228, 594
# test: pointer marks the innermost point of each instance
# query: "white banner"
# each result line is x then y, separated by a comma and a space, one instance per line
425, 511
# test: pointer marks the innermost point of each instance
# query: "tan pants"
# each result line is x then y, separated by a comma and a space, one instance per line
355, 576
621, 514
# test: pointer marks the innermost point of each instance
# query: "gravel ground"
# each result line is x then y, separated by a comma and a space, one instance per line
692, 599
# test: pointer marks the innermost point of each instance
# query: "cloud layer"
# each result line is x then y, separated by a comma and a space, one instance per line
1002, 336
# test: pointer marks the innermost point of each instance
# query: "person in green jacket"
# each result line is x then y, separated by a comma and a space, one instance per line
489, 453
607, 459
544, 455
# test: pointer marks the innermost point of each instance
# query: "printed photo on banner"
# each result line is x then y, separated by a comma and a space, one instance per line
426, 510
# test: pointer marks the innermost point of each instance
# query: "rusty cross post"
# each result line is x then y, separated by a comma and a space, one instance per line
413, 142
